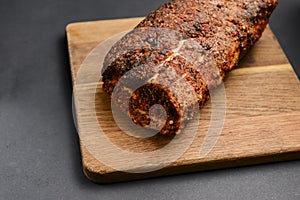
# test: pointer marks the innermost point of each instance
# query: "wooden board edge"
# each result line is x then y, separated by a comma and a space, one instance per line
117, 176
73, 25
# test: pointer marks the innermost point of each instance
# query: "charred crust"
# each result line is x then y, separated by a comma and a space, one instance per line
225, 29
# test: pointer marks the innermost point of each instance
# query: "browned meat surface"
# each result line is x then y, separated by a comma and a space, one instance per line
197, 43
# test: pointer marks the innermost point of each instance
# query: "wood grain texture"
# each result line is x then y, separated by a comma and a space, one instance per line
262, 117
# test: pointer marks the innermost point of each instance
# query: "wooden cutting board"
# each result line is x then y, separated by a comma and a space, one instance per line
262, 121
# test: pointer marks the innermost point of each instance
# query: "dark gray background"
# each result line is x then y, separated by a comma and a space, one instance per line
39, 150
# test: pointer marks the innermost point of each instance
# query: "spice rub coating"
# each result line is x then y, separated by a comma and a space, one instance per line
189, 43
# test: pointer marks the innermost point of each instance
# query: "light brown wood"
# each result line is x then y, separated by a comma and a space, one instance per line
262, 118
